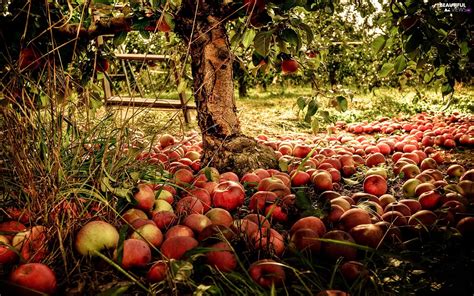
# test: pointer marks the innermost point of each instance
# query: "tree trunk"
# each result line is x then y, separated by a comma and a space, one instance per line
224, 146
242, 87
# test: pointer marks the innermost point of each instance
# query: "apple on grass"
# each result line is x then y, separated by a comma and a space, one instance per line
96, 236
136, 254
267, 272
7, 252
34, 276
157, 272
176, 247
144, 196
222, 257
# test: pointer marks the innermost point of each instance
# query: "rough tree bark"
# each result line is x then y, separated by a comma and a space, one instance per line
224, 145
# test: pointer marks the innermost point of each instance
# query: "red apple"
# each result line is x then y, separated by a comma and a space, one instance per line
222, 257
219, 216
144, 196
197, 222
149, 233
158, 272
334, 250
311, 222
179, 230
354, 217
35, 276
267, 272
367, 235
176, 247
375, 184
136, 254
228, 195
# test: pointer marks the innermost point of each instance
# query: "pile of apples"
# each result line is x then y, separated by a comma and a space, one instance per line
406, 188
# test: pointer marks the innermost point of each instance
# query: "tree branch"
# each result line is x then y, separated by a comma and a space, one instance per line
100, 27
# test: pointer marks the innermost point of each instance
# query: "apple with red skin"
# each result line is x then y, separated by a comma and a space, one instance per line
164, 195
299, 178
189, 205
162, 205
158, 272
395, 218
399, 207
35, 276
277, 213
289, 66
332, 293
375, 159
258, 219
176, 247
367, 235
244, 227
306, 239
222, 257
409, 171
132, 214
354, 217
228, 195
149, 233
322, 181
353, 270
335, 250
7, 253
335, 213
215, 232
164, 219
268, 239
423, 218
203, 195
429, 200
179, 230
32, 243
228, 176
197, 222
183, 177
144, 196
136, 254
96, 236
11, 228
466, 228
267, 273
220, 216
260, 199
375, 184
311, 222
167, 140
250, 180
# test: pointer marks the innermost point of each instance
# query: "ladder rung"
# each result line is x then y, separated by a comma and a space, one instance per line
145, 102
142, 57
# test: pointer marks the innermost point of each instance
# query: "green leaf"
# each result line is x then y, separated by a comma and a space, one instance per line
312, 109
400, 64
302, 201
325, 115
378, 44
119, 38
301, 102
464, 48
290, 36
441, 71
248, 37
108, 2
412, 42
308, 31
145, 34
342, 102
262, 42
387, 68
446, 88
115, 291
